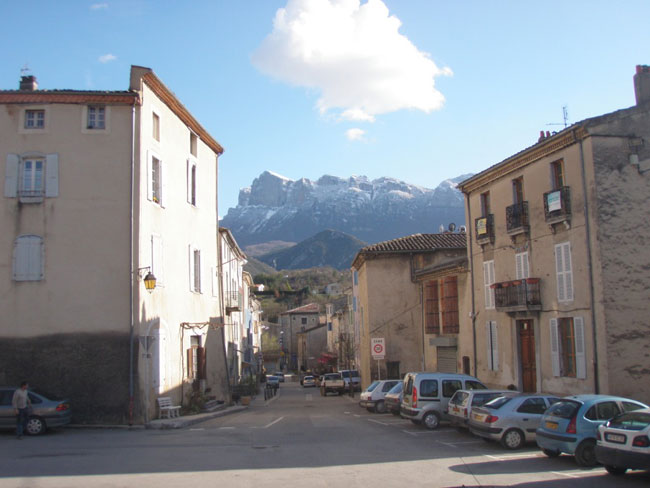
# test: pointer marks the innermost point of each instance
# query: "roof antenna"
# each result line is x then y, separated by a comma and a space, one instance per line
25, 70
565, 116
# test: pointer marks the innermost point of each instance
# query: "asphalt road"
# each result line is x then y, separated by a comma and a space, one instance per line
297, 439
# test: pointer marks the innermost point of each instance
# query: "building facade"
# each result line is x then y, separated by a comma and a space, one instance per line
101, 189
559, 258
291, 323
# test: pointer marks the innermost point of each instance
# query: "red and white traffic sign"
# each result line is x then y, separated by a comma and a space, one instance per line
377, 347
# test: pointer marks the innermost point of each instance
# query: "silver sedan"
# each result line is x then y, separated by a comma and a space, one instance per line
510, 420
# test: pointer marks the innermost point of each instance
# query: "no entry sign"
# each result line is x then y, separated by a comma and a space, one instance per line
377, 347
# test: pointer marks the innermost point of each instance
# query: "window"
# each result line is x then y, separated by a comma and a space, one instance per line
191, 182
355, 278
431, 311
194, 143
564, 272
303, 320
521, 266
535, 406
492, 345
155, 122
485, 204
157, 259
31, 177
196, 364
603, 411
450, 318
156, 180
473, 385
429, 388
96, 117
518, 190
34, 119
568, 347
195, 269
28, 258
557, 175
488, 279
449, 387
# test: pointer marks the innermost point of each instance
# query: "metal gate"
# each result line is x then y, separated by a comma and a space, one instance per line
447, 359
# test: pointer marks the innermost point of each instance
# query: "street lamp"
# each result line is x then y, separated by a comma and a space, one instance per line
149, 278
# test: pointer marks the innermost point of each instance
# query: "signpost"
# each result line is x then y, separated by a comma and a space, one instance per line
378, 351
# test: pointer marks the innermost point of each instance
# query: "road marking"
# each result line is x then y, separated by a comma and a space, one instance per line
409, 432
274, 422
377, 422
356, 415
461, 442
505, 457
346, 413
226, 428
580, 474
197, 429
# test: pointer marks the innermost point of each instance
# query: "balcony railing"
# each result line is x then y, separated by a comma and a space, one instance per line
484, 229
518, 295
557, 205
517, 218
30, 196
233, 301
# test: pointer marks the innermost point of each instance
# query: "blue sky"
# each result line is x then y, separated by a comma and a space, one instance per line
418, 90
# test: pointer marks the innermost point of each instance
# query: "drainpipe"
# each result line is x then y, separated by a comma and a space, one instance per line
471, 277
592, 293
133, 271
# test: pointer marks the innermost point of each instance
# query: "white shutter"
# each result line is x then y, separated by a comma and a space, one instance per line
559, 272
579, 335
191, 262
555, 348
52, 175
11, 176
28, 259
488, 342
521, 263
492, 345
163, 184
188, 174
149, 176
568, 272
488, 279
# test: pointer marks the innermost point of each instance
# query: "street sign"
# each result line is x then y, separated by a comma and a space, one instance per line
377, 347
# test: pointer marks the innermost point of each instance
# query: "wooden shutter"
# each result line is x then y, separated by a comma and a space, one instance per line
191, 266
579, 335
201, 374
163, 183
564, 272
432, 311
149, 176
559, 272
568, 272
555, 348
52, 175
521, 264
492, 345
450, 319
488, 279
190, 362
188, 174
11, 176
28, 259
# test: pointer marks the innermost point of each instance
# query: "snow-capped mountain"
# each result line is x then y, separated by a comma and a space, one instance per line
277, 208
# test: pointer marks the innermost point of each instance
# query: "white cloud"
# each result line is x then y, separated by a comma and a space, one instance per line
98, 6
355, 134
353, 54
106, 58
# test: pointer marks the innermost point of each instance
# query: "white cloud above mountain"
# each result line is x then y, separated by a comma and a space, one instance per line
353, 54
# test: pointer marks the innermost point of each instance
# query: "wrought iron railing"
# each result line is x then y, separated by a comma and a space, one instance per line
517, 217
233, 299
484, 227
557, 204
521, 294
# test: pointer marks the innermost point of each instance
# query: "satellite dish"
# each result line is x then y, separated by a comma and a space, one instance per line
441, 229
462, 229
452, 227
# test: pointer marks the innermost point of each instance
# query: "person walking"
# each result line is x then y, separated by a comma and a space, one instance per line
21, 403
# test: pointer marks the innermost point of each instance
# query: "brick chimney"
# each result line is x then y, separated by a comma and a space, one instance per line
642, 84
28, 83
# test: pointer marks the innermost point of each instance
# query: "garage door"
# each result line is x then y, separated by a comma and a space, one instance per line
447, 362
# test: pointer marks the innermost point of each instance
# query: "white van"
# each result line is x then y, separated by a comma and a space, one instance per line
351, 375
426, 395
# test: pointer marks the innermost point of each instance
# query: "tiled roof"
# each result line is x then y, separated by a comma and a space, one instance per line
419, 242
67, 96
309, 308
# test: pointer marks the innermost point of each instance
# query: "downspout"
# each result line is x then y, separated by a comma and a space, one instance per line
133, 271
471, 277
221, 295
422, 314
592, 293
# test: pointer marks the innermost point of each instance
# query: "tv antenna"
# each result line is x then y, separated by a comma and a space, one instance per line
565, 116
25, 70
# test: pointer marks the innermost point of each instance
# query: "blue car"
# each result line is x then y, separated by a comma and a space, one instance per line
570, 426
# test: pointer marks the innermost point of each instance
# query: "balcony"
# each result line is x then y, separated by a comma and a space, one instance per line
233, 301
557, 205
517, 218
484, 229
518, 295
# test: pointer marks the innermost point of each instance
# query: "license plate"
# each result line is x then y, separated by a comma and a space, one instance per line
551, 425
455, 409
617, 438
478, 417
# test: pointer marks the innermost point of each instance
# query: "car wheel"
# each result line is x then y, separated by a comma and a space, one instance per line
35, 426
586, 453
550, 453
615, 470
513, 439
380, 407
431, 421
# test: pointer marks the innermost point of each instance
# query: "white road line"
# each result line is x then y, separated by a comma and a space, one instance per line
197, 429
377, 422
580, 474
226, 428
274, 422
409, 432
513, 456
568, 475
346, 413
356, 415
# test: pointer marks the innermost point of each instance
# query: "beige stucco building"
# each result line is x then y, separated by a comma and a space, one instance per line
291, 323
559, 258
101, 188
409, 291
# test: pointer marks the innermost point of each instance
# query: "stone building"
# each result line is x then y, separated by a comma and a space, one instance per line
560, 261
291, 323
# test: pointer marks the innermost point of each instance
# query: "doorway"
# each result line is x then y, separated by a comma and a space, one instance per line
526, 334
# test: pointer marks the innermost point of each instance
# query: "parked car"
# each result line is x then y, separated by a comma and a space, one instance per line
463, 401
570, 425
373, 397
280, 376
48, 410
624, 442
273, 382
351, 375
510, 419
393, 398
308, 381
332, 383
426, 395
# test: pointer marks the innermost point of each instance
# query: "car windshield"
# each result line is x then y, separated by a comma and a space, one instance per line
459, 398
372, 386
482, 398
309, 377
332, 377
397, 388
565, 409
497, 403
630, 421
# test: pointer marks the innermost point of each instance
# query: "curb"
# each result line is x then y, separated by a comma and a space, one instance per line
180, 422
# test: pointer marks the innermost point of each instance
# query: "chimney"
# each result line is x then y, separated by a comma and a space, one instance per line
642, 84
28, 83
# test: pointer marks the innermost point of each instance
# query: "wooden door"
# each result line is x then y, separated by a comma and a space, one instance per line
527, 354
